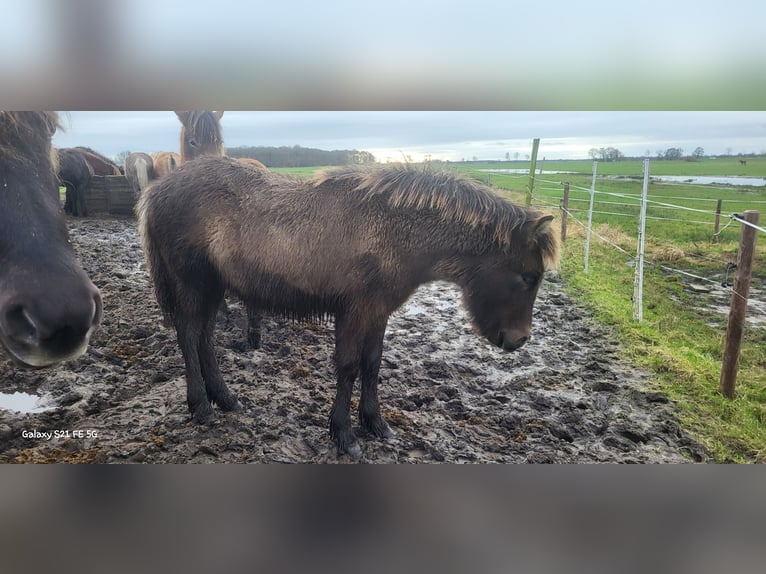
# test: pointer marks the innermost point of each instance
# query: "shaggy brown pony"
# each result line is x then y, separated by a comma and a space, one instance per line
48, 306
139, 171
201, 134
252, 162
349, 243
100, 164
165, 162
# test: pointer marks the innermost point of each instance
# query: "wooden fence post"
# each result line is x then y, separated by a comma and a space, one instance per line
532, 166
741, 290
564, 212
717, 228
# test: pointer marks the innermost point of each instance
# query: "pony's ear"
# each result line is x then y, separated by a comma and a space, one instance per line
218, 114
533, 228
183, 116
541, 233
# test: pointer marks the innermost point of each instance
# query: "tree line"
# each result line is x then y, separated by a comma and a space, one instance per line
672, 153
297, 156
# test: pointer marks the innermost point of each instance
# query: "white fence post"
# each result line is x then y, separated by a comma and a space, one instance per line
590, 215
638, 281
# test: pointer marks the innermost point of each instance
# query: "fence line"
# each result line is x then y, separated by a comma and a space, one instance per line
735, 217
650, 262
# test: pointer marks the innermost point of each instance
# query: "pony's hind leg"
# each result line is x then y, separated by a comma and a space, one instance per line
193, 304
347, 357
369, 407
189, 330
215, 388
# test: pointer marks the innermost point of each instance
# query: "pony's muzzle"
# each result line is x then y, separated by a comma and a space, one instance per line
40, 332
510, 340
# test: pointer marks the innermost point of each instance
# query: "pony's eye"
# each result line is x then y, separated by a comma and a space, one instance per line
193, 143
530, 279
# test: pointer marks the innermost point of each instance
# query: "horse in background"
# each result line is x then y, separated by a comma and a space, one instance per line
165, 162
350, 243
139, 171
201, 134
49, 308
100, 164
252, 162
74, 173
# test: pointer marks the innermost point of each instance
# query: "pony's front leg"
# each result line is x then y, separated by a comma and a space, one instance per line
253, 327
215, 387
369, 406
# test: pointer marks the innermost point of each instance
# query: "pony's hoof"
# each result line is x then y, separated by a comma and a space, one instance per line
388, 434
203, 415
231, 405
354, 451
377, 427
254, 340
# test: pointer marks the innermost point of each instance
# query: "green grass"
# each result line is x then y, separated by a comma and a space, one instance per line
756, 166
297, 171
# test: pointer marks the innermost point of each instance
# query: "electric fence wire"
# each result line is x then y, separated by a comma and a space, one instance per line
650, 262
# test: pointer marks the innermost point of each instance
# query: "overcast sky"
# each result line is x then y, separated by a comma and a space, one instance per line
453, 136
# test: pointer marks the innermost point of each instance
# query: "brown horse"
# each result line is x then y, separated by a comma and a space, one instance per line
165, 162
349, 243
139, 171
252, 162
48, 306
200, 134
100, 164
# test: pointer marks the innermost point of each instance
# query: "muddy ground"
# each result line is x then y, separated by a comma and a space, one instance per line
565, 397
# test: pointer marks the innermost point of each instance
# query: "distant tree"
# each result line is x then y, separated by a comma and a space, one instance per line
297, 156
507, 156
121, 157
606, 154
516, 156
673, 153
728, 151
698, 153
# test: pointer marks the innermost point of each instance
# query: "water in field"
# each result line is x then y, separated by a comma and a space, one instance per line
695, 179
24, 403
524, 171
712, 180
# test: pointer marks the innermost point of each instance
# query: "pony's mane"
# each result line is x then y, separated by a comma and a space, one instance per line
456, 197
20, 125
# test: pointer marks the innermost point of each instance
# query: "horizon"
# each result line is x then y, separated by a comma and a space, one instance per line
445, 136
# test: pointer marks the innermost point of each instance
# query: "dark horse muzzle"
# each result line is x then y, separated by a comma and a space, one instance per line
49, 322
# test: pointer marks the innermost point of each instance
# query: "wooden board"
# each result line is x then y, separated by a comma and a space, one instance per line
109, 195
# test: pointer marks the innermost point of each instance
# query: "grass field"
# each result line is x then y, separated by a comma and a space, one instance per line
679, 341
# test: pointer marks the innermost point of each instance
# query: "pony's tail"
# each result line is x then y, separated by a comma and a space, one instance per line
142, 173
158, 271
